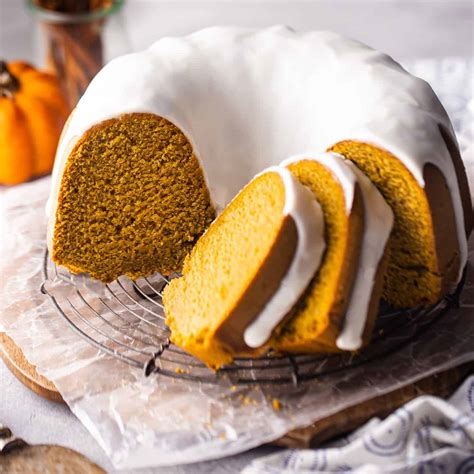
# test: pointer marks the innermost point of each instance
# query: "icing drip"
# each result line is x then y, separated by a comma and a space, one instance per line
296, 92
378, 223
306, 212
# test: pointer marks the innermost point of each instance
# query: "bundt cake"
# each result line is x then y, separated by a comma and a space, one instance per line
163, 139
247, 271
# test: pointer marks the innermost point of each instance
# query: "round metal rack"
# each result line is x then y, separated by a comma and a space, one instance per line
125, 320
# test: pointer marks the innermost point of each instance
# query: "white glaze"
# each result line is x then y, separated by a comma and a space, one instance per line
378, 223
247, 99
307, 214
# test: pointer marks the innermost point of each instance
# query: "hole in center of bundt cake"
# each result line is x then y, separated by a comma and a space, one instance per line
133, 200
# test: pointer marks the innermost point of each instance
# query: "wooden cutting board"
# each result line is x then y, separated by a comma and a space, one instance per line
24, 371
441, 384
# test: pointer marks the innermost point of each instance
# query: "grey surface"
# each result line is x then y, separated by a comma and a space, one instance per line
405, 29
39, 421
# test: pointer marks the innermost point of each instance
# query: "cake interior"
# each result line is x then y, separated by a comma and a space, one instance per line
133, 200
232, 272
319, 314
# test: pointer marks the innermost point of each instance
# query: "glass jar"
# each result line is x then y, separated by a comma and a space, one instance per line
74, 46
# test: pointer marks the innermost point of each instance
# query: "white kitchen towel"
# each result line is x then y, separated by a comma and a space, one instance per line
427, 435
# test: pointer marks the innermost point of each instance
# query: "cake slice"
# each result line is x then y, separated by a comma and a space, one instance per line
247, 271
426, 259
340, 306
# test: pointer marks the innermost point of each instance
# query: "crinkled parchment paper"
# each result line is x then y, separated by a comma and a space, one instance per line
158, 420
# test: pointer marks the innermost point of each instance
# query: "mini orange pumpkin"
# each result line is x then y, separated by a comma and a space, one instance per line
32, 114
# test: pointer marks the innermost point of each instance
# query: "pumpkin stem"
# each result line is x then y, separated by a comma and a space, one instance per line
8, 82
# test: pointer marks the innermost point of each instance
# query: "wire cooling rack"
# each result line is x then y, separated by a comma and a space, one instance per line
125, 320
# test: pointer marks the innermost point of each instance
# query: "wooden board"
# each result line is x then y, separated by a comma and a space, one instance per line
25, 372
441, 384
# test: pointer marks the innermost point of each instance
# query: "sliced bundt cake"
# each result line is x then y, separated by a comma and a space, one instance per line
340, 305
247, 271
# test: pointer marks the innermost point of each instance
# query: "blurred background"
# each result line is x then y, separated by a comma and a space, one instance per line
402, 28
73, 38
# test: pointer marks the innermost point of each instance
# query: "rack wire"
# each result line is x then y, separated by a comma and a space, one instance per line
125, 320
